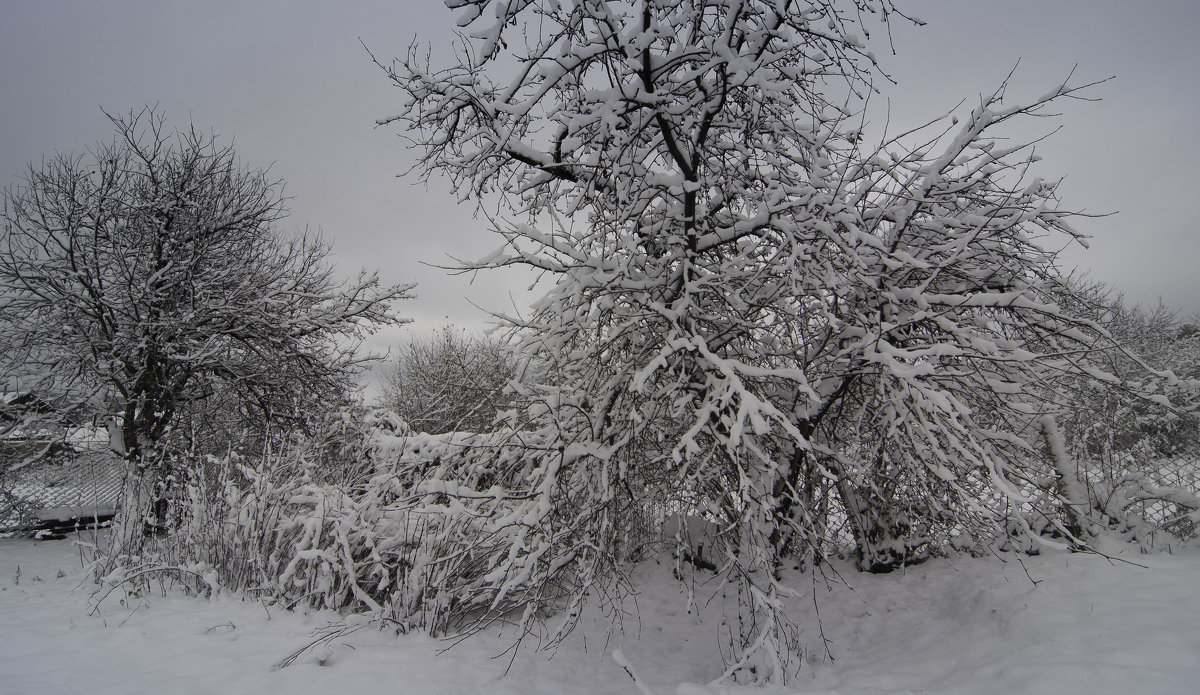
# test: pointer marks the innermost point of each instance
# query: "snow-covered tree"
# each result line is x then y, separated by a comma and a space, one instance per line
141, 278
1137, 455
753, 316
450, 381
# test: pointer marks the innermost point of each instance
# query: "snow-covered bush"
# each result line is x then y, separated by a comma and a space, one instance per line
432, 532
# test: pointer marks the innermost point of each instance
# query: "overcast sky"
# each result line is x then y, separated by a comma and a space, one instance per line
291, 84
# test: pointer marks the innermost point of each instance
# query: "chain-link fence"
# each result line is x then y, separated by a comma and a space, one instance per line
61, 488
1162, 492
89, 483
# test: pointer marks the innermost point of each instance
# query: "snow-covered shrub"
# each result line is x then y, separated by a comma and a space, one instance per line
434, 532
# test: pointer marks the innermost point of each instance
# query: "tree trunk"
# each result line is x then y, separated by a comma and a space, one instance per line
143, 500
883, 533
1076, 503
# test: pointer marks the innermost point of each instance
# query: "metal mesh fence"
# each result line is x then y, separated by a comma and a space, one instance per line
1166, 484
68, 486
91, 482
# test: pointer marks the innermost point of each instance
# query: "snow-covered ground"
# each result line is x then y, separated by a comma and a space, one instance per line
1088, 625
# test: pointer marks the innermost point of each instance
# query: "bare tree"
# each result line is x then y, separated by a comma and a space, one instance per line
138, 278
450, 381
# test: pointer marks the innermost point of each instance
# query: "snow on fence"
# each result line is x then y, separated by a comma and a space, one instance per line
79, 486
1162, 492
89, 484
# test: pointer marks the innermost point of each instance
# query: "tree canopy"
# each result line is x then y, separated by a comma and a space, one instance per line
150, 273
754, 314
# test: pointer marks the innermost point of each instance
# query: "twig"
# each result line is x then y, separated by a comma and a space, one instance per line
619, 657
1035, 581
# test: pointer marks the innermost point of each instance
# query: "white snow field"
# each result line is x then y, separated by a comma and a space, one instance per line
1089, 625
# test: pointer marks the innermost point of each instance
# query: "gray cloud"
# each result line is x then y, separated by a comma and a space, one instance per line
292, 85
